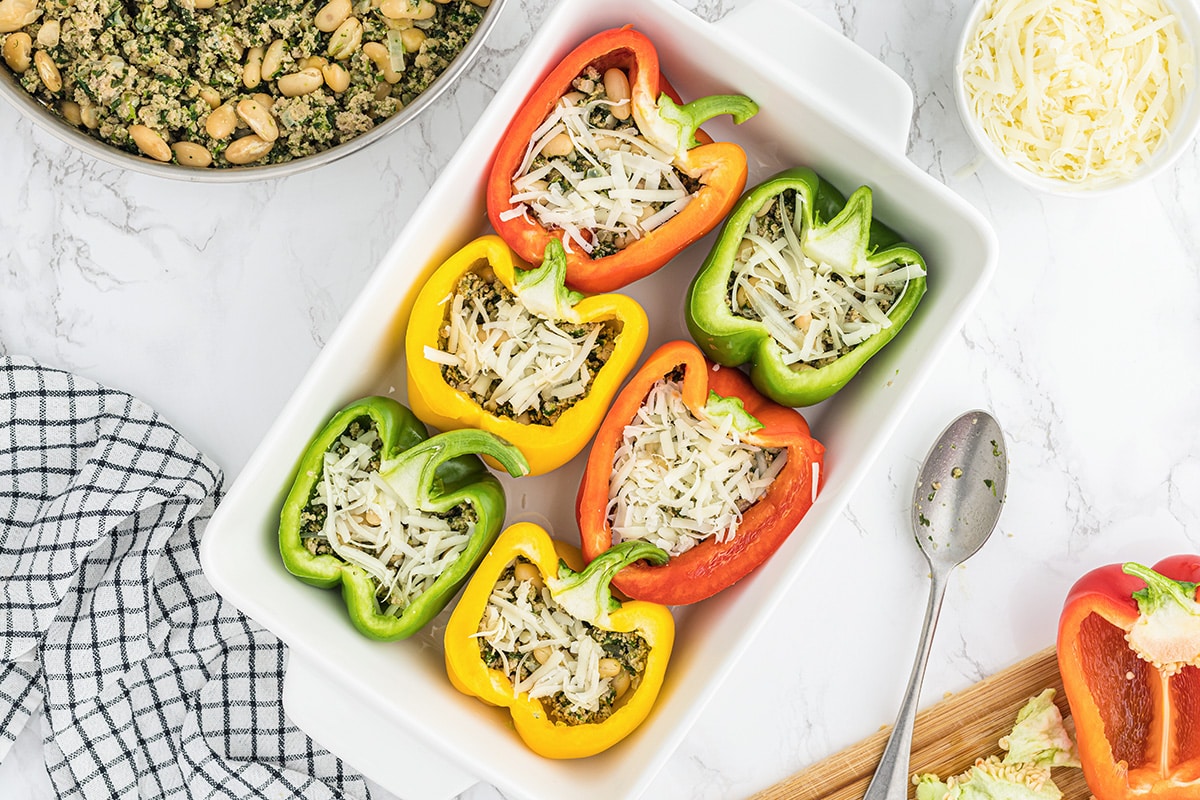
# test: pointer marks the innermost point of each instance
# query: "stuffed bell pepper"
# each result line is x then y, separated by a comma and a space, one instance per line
692, 459
803, 286
395, 516
1129, 654
603, 157
543, 637
512, 351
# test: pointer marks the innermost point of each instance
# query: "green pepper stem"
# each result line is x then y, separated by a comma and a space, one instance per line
587, 595
543, 289
413, 473
1160, 589
844, 241
688, 118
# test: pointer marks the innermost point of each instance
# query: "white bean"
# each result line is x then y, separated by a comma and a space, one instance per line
247, 150
49, 35
345, 40
560, 145
48, 71
89, 115
150, 142
609, 667
299, 83
252, 72
336, 77
259, 118
412, 38
616, 86
16, 14
17, 50
71, 112
383, 62
272, 59
190, 154
210, 96
222, 121
405, 9
332, 14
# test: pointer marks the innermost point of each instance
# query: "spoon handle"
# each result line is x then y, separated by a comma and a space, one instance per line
891, 780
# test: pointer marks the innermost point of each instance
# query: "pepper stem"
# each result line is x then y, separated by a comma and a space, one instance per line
587, 595
543, 289
844, 241
1160, 589
719, 408
413, 474
688, 118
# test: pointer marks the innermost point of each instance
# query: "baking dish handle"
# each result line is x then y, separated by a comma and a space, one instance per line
378, 748
833, 69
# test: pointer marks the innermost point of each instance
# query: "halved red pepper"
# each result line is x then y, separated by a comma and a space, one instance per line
1129, 654
720, 167
711, 565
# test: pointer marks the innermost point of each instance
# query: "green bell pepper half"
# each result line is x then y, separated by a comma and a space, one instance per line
433, 474
835, 230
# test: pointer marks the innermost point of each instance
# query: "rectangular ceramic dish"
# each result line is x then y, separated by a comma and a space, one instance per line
825, 104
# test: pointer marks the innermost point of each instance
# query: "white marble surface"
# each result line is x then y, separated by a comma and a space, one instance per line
211, 302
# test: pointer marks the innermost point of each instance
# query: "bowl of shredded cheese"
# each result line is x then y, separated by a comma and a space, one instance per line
1080, 96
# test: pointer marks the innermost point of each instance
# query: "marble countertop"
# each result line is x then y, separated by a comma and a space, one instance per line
210, 302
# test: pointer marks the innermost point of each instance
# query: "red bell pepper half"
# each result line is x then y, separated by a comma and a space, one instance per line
1129, 654
719, 167
711, 565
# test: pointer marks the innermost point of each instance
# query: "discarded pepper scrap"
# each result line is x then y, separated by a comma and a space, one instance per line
1129, 654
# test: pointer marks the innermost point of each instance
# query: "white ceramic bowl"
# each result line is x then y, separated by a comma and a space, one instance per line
1183, 128
824, 103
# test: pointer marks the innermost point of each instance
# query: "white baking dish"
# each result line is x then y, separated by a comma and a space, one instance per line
825, 104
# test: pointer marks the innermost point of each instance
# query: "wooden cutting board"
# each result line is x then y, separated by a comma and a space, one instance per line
947, 739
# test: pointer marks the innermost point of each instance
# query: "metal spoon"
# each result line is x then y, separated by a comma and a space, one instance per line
956, 503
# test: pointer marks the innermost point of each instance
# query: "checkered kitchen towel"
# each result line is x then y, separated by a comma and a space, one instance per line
152, 686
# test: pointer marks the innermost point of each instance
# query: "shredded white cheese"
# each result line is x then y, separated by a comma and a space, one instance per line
678, 479
367, 524
509, 355
1081, 91
522, 619
815, 311
618, 182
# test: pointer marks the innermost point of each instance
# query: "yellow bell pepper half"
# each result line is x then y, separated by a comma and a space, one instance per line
583, 594
439, 403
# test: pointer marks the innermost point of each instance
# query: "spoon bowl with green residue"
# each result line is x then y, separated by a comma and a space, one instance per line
956, 504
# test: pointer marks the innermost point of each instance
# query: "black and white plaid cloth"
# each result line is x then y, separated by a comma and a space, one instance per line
152, 686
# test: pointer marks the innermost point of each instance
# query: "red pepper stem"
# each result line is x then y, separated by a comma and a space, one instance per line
688, 118
587, 595
1159, 589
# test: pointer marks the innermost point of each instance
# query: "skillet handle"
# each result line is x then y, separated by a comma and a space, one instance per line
354, 732
835, 71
